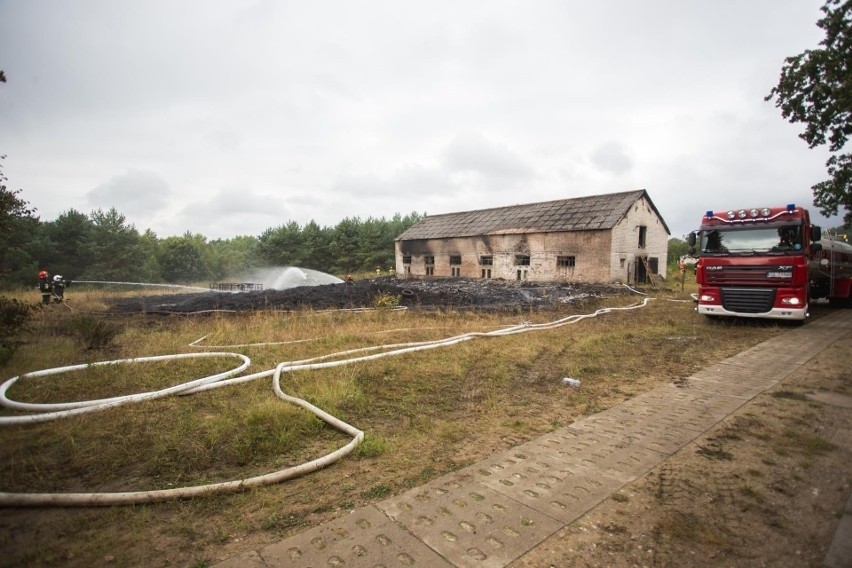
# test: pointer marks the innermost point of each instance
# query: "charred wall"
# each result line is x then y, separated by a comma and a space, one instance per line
581, 256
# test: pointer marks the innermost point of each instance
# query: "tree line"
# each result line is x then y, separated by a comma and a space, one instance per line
102, 245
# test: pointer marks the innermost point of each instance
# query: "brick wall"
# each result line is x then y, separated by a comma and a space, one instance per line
625, 242
590, 249
598, 256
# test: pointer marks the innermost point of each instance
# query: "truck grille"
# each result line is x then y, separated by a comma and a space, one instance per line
745, 275
748, 300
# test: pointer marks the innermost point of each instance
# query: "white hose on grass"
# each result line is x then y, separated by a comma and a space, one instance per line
266, 344
61, 410
633, 289
143, 284
133, 497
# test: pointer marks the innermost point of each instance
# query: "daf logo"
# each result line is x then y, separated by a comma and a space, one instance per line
714, 268
786, 267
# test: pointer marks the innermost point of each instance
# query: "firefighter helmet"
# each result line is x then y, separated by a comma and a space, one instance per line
42, 274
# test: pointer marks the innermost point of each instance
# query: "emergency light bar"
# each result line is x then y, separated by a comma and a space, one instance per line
741, 215
753, 213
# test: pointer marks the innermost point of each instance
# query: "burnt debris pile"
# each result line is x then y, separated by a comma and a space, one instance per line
450, 293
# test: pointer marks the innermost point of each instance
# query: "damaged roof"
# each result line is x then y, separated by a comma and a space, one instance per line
593, 213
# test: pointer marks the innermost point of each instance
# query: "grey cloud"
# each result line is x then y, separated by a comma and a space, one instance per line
132, 191
473, 152
363, 185
410, 180
224, 140
233, 210
235, 200
612, 157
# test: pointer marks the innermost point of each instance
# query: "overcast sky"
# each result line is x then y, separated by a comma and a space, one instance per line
226, 118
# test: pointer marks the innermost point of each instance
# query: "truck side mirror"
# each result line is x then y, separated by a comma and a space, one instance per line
816, 247
690, 251
816, 233
691, 239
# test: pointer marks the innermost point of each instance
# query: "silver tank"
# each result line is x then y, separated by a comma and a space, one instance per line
835, 257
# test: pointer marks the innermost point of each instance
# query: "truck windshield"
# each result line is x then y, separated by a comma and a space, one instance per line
752, 240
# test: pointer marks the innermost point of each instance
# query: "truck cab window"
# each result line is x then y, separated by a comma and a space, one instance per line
751, 240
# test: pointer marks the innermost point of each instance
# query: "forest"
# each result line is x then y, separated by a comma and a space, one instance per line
102, 245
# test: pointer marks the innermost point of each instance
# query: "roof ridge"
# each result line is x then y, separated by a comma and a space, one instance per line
621, 193
586, 213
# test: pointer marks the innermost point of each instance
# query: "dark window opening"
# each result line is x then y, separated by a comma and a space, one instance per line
486, 261
643, 236
486, 273
456, 271
406, 260
522, 260
429, 260
430, 271
455, 260
566, 261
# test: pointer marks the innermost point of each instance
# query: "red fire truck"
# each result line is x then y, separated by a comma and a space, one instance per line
768, 262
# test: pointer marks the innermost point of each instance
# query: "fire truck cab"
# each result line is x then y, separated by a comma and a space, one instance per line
755, 262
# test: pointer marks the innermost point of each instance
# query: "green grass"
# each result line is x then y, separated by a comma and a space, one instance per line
805, 443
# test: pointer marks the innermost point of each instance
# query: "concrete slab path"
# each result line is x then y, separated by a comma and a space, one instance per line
495, 511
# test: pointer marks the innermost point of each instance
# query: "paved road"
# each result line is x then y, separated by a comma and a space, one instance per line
495, 511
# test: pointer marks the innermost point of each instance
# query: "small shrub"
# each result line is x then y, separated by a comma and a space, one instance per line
385, 301
94, 333
14, 316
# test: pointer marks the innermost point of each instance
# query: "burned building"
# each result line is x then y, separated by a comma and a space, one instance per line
620, 237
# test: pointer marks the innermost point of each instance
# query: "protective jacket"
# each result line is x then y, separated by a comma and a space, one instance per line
59, 286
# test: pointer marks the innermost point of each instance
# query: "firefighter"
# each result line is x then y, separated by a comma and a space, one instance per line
44, 286
59, 286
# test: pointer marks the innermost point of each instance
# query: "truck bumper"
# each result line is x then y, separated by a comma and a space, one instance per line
792, 314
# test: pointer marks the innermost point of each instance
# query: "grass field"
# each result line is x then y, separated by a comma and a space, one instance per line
424, 414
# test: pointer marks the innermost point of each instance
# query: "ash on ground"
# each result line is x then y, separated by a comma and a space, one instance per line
445, 293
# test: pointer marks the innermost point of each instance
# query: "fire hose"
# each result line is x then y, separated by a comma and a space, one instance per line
61, 410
